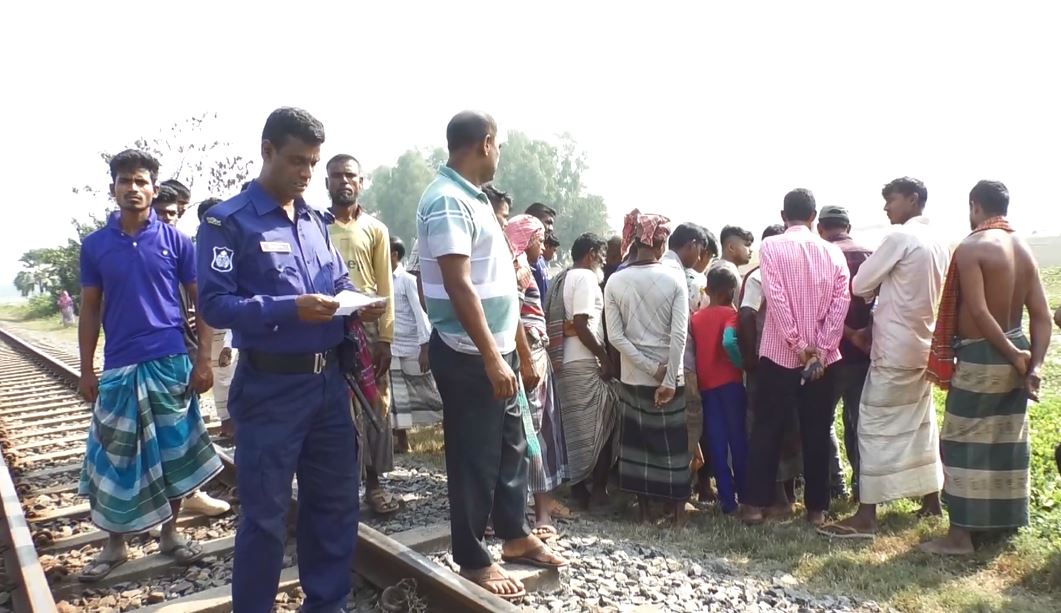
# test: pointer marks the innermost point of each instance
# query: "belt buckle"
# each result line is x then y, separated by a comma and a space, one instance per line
318, 363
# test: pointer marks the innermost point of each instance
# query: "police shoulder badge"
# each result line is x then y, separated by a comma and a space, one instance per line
222, 261
213, 221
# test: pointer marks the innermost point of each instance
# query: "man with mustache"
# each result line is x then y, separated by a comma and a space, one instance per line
364, 243
270, 274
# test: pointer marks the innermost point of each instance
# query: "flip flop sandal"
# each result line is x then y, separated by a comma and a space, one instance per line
193, 552
109, 565
545, 533
485, 581
529, 559
840, 531
382, 503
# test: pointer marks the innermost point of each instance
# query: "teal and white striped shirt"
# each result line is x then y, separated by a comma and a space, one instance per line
455, 217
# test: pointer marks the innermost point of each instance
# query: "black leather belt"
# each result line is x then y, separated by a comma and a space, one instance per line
290, 363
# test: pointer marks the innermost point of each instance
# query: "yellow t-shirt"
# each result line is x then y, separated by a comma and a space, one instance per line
364, 244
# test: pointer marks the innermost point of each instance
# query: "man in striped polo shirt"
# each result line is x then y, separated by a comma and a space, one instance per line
470, 290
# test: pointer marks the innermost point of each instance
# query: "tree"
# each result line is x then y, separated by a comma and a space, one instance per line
538, 171
185, 152
530, 170
394, 192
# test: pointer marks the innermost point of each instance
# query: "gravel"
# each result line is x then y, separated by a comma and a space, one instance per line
616, 576
422, 490
607, 576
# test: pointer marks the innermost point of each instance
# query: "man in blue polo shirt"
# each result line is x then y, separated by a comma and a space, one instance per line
269, 273
470, 289
140, 463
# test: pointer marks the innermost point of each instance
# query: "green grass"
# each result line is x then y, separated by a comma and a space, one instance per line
50, 327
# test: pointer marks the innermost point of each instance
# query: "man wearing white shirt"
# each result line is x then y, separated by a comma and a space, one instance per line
897, 437
415, 395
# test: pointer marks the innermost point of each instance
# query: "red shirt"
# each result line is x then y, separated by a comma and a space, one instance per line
713, 366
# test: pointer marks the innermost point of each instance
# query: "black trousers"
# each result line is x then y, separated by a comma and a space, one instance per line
486, 454
848, 381
813, 403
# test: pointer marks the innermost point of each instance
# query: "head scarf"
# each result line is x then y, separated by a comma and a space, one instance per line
521, 230
646, 228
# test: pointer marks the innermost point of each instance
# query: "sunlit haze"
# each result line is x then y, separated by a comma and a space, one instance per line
706, 113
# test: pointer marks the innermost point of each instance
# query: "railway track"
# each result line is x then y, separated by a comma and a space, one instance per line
46, 537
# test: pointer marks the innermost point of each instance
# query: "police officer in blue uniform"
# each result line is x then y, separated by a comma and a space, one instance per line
268, 272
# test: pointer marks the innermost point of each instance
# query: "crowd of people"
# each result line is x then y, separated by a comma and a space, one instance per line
656, 356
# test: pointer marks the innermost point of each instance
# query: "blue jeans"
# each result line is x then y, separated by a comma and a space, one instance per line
288, 425
725, 439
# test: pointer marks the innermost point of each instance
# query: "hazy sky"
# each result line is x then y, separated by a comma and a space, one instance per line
704, 113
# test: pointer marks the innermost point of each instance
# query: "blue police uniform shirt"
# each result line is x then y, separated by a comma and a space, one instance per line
139, 276
253, 261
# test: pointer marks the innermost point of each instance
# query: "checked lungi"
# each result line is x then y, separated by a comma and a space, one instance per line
147, 445
653, 443
985, 439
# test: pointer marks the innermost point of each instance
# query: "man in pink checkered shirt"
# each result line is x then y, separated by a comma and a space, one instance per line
806, 286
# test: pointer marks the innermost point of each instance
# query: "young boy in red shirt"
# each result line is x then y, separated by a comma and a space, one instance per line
718, 362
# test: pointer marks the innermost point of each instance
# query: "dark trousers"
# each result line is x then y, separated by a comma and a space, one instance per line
813, 404
288, 425
725, 440
848, 381
486, 454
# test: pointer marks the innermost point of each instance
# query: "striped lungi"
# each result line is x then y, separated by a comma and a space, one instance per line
653, 443
985, 439
414, 396
898, 443
548, 469
587, 407
147, 445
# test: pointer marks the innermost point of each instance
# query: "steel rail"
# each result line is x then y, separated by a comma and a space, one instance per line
380, 559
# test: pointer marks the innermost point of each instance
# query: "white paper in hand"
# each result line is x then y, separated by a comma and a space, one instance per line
351, 302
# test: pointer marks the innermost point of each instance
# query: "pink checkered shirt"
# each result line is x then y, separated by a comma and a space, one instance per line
806, 288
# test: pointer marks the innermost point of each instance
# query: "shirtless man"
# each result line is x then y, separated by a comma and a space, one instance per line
985, 429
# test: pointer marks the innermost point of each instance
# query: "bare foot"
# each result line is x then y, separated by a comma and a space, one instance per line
781, 510
958, 542
930, 507
816, 518
854, 525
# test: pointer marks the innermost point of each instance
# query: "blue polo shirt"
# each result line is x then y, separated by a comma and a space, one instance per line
253, 261
140, 277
